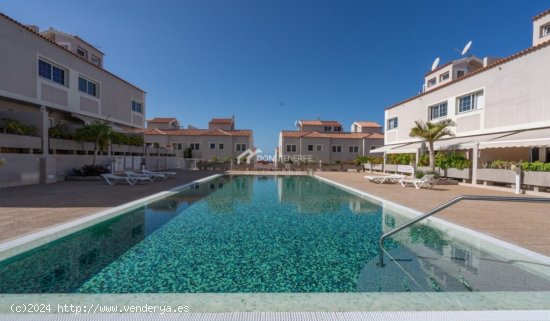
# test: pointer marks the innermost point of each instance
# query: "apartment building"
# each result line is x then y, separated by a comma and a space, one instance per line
325, 141
220, 141
53, 78
501, 107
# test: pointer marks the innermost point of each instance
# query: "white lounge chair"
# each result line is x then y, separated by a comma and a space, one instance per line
166, 174
112, 179
395, 178
143, 177
426, 181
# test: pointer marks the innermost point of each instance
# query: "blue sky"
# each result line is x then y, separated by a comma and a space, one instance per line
273, 62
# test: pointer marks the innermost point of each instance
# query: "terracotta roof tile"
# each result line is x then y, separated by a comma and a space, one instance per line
67, 50
368, 124
221, 121
315, 134
200, 132
161, 120
542, 14
478, 71
320, 123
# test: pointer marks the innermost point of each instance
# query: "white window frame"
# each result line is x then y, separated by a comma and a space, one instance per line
336, 148
84, 50
312, 148
137, 101
438, 106
92, 57
474, 101
68, 44
462, 70
52, 65
392, 120
431, 82
545, 32
352, 149
444, 74
240, 147
97, 85
292, 148
193, 145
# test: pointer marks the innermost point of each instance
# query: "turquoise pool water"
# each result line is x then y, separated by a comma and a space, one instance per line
258, 234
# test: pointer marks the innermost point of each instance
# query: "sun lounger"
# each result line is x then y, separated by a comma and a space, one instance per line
143, 177
396, 178
426, 181
112, 179
166, 174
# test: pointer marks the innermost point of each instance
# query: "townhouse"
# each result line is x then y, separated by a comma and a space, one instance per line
326, 141
501, 107
219, 142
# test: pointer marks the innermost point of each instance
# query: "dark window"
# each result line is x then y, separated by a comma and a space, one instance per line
220, 146
336, 149
392, 123
212, 145
309, 148
51, 72
44, 69
137, 107
87, 86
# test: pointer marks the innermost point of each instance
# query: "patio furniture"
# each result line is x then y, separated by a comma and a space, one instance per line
143, 177
395, 178
112, 179
426, 181
166, 174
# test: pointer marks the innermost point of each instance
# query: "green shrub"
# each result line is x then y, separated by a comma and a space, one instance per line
400, 159
535, 166
359, 160
91, 170
188, 153
14, 127
452, 160
424, 160
126, 139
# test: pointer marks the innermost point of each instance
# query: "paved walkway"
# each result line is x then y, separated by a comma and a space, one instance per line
27, 209
524, 224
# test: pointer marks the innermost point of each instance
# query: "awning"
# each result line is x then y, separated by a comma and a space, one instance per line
454, 143
384, 149
89, 120
525, 138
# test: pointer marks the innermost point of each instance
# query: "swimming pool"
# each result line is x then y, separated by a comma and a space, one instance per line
261, 234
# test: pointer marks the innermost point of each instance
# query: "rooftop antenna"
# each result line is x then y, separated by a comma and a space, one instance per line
435, 63
466, 48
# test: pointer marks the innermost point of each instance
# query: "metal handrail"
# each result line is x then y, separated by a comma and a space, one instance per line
449, 203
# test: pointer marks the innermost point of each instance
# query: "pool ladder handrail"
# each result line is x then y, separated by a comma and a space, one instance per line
448, 204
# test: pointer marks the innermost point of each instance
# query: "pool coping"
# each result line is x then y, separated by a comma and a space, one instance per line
217, 303
18, 245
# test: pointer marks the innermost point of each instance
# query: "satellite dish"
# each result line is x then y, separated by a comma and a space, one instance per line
435, 63
466, 48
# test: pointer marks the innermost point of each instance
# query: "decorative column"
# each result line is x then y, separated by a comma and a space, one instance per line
475, 160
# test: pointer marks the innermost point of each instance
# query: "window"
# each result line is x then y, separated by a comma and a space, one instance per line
319, 148
460, 73
212, 145
137, 107
195, 146
51, 72
336, 149
309, 148
444, 77
87, 86
82, 53
290, 148
354, 149
392, 123
220, 146
96, 60
337, 129
328, 128
545, 31
372, 147
431, 82
437, 111
471, 102
177, 146
240, 147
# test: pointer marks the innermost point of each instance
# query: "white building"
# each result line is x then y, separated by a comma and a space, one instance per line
501, 106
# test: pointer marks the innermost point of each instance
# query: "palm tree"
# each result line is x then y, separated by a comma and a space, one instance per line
431, 132
97, 132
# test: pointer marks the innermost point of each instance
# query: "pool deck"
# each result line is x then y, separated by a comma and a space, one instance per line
31, 208
523, 224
